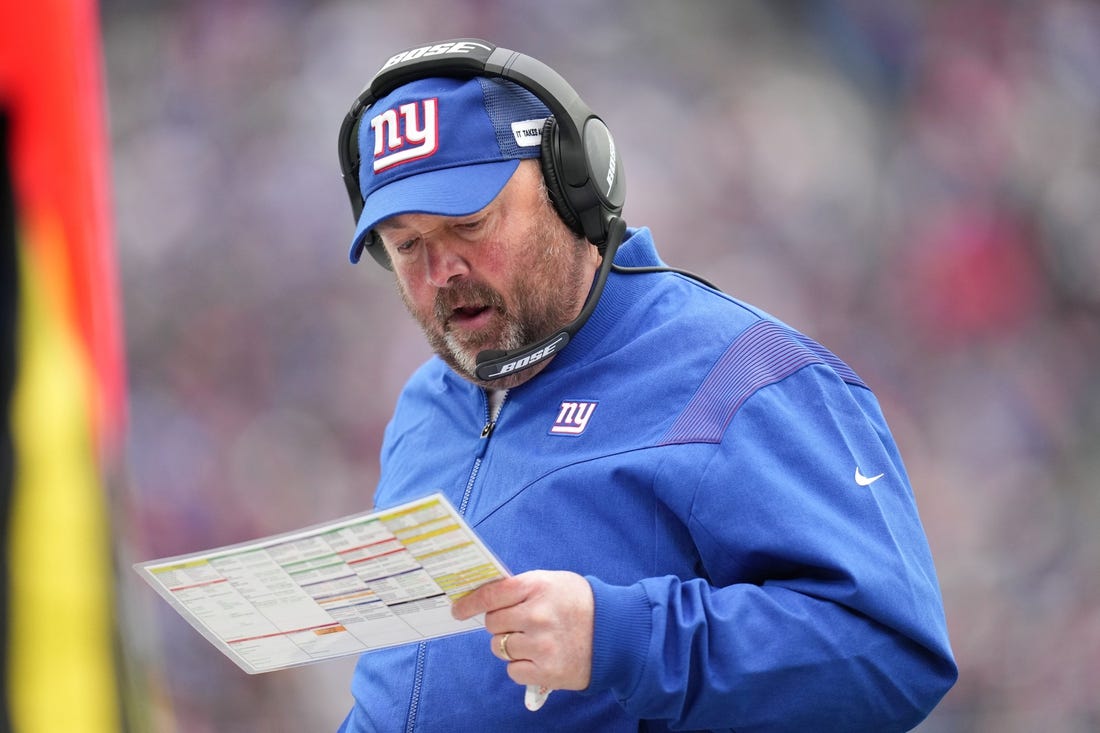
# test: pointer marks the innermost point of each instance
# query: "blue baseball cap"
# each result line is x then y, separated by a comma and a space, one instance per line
442, 146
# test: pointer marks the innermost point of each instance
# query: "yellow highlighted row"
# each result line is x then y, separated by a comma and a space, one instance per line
411, 510
469, 576
429, 535
180, 566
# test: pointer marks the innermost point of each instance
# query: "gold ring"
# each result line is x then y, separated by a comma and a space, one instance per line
504, 648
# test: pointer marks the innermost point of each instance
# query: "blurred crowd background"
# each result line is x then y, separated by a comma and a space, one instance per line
914, 183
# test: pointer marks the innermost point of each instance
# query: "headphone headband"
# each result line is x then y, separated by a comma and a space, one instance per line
585, 174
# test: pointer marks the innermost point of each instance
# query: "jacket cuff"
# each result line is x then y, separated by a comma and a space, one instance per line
621, 633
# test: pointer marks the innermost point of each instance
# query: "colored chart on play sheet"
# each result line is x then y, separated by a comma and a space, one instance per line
363, 582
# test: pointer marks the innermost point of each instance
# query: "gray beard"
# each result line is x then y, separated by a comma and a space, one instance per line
463, 361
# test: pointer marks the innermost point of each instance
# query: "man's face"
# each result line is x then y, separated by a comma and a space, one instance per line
501, 278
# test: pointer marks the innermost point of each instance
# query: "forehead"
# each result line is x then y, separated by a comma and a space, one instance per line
419, 222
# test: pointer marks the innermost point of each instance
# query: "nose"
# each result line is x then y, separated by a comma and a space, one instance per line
445, 263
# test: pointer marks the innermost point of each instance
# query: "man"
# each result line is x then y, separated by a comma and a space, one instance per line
709, 523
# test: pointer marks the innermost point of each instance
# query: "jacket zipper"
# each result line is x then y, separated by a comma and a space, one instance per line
422, 649
414, 700
486, 433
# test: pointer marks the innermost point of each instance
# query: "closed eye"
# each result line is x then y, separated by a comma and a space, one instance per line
470, 227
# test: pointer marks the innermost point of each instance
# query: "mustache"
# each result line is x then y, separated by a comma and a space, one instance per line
465, 295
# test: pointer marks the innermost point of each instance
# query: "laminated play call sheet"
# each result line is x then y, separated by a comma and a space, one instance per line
363, 582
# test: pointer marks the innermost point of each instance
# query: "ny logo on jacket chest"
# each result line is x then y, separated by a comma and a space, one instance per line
573, 417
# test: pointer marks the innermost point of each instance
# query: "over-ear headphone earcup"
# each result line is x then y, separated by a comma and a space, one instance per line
554, 188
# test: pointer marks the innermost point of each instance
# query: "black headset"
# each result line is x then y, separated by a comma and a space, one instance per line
583, 172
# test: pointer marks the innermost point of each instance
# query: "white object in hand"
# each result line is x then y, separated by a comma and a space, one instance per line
535, 697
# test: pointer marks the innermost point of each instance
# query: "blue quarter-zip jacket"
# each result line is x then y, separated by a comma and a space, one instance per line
732, 493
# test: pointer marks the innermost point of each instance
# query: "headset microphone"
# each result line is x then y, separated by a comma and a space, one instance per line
495, 363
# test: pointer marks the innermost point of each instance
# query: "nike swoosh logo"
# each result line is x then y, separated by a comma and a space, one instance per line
865, 480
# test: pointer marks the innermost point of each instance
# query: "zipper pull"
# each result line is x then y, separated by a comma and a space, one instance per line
493, 402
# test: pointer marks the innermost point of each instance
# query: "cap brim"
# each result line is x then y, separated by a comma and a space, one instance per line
457, 191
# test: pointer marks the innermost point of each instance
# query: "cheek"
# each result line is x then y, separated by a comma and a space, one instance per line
417, 295
493, 260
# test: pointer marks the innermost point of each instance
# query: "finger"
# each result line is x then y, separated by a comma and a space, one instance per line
525, 672
492, 596
506, 619
472, 603
503, 646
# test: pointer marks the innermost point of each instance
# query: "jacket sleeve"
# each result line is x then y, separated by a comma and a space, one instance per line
817, 605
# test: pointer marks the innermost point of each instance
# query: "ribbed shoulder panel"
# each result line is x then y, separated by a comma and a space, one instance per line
762, 354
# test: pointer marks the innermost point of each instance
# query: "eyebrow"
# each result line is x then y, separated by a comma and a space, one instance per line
394, 222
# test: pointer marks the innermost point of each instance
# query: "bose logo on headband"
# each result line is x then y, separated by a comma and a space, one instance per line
436, 50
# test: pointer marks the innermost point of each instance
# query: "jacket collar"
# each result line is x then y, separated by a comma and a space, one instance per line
620, 294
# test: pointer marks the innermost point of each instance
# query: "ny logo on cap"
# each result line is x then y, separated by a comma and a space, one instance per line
399, 136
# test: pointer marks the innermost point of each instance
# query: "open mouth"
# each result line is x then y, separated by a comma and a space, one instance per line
469, 316
468, 307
